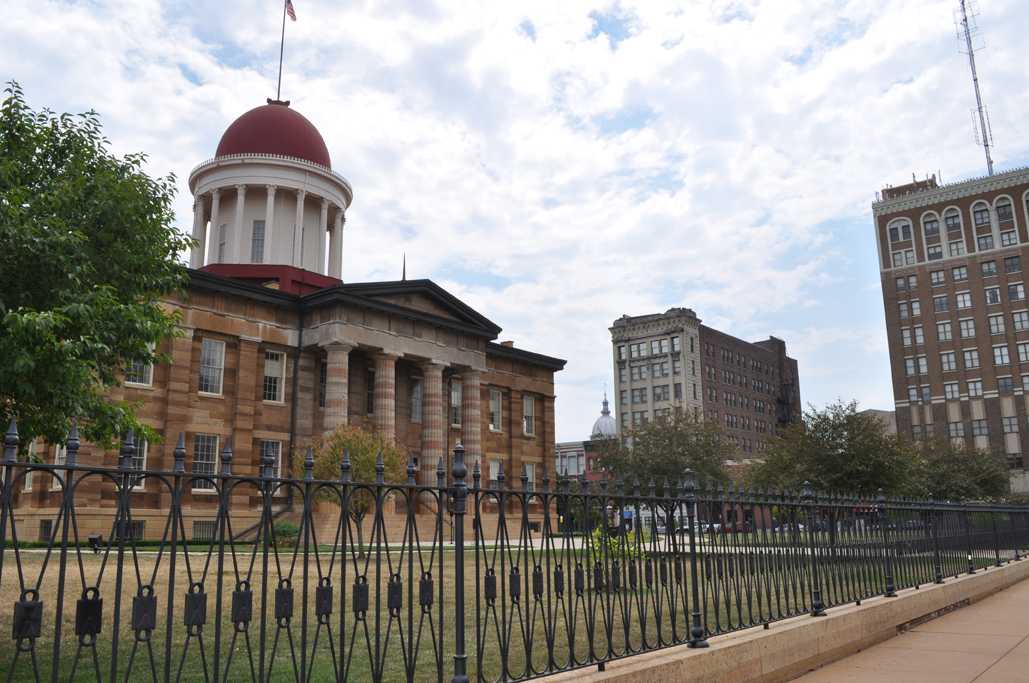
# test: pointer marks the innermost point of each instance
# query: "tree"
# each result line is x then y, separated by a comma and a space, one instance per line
840, 449
664, 449
364, 448
88, 253
950, 473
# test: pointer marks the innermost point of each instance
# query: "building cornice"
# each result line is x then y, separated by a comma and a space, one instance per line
275, 159
951, 192
512, 353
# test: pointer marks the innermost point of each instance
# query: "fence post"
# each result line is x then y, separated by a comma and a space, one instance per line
689, 489
11, 442
884, 524
807, 496
179, 469
996, 538
460, 494
968, 541
934, 515
1014, 535
128, 450
68, 505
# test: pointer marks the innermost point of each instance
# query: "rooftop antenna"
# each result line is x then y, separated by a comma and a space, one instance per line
403, 270
966, 32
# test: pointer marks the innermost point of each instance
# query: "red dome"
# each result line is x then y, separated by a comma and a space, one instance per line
274, 129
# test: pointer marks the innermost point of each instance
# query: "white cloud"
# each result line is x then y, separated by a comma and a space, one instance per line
719, 155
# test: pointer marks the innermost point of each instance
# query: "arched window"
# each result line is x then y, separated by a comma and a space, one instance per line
930, 226
952, 219
900, 231
1004, 211
981, 214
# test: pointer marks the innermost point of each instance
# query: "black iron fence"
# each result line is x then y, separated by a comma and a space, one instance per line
547, 578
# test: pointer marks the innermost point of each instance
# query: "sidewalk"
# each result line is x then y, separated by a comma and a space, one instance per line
986, 642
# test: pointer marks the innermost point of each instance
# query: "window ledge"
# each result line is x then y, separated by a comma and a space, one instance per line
273, 403
205, 394
204, 492
133, 385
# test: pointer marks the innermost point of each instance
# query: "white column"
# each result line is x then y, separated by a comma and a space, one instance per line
269, 224
242, 243
196, 256
215, 219
336, 246
323, 224
298, 231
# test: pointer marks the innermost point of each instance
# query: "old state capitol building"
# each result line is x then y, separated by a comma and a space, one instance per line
276, 349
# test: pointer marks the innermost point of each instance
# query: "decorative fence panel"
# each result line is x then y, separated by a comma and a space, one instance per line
454, 581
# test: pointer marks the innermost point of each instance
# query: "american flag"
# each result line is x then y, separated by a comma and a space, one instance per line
290, 11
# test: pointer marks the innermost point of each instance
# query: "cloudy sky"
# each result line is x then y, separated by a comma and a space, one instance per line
558, 164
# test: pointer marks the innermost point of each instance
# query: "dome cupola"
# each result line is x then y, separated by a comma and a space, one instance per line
275, 129
605, 427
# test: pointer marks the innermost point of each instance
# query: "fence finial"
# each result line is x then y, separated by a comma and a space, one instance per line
73, 444
11, 441
179, 454
309, 464
689, 485
807, 494
525, 477
380, 468
546, 479
477, 476
227, 459
411, 470
344, 467
441, 473
266, 465
500, 473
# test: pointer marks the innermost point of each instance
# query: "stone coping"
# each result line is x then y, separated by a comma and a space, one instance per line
792, 647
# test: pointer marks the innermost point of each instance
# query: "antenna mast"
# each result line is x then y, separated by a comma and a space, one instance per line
983, 131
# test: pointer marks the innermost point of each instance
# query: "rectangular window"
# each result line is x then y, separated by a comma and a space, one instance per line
417, 396
1023, 352
955, 429
937, 278
950, 390
675, 345
953, 222
1000, 355
273, 449
530, 476
212, 366
1005, 385
529, 415
1016, 292
274, 369
992, 295
905, 336
494, 474
205, 456
988, 268
1021, 321
940, 304
1009, 424
60, 458
959, 273
996, 324
916, 309
655, 347
139, 463
964, 300
956, 248
221, 242
981, 216
979, 428
369, 392
455, 403
623, 397
676, 366
975, 388
932, 227
913, 394
639, 395
948, 361
934, 252
257, 243
661, 393
985, 242
496, 404
677, 391
139, 373
919, 335
1012, 264
623, 375
923, 365
971, 359
1008, 238
927, 393
943, 332
967, 328
323, 382
902, 284
903, 310
621, 352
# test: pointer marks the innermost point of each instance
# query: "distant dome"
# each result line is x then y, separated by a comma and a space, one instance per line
605, 427
274, 129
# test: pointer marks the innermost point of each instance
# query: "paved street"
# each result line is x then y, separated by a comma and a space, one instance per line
987, 642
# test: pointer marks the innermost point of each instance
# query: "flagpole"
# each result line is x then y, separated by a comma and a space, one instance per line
282, 44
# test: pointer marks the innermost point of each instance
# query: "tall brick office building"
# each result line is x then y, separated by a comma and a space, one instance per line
951, 259
275, 349
669, 361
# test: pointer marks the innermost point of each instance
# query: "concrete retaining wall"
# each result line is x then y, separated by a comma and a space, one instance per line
794, 646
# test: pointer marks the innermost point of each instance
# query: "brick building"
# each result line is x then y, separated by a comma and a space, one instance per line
951, 263
669, 361
275, 349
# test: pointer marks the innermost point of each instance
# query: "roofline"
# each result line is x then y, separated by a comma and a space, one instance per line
218, 283
423, 285
951, 191
549, 362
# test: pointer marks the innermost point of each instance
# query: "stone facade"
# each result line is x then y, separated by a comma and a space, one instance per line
952, 259
385, 356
